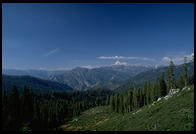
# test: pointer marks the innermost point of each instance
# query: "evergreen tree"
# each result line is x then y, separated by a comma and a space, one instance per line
14, 108
170, 76
180, 82
107, 100
185, 74
130, 97
121, 108
36, 115
116, 102
163, 86
4, 110
135, 98
112, 105
26, 105
192, 79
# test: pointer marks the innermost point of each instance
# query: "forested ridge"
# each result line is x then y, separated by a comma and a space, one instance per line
36, 84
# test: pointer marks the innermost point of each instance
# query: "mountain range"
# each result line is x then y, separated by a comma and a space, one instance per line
37, 85
43, 74
81, 78
108, 77
115, 77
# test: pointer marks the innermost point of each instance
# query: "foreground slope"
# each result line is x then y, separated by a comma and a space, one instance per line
174, 114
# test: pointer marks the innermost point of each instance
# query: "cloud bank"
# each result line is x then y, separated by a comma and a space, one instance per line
120, 63
127, 58
178, 59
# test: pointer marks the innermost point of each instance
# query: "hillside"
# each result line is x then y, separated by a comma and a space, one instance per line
151, 75
38, 85
43, 74
174, 114
107, 77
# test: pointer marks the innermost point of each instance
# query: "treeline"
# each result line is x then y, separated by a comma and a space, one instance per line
27, 111
138, 97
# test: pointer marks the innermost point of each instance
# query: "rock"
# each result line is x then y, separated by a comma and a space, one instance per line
158, 99
166, 97
173, 91
184, 88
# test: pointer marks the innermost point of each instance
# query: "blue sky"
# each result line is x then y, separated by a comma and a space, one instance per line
58, 36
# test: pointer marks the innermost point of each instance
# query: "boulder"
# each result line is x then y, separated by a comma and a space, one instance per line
174, 91
166, 97
184, 88
158, 99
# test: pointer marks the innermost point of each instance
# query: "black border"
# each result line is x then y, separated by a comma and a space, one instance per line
92, 1
97, 1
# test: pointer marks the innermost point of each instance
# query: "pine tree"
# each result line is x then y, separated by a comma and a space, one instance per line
130, 99
4, 110
27, 105
180, 82
157, 90
170, 76
14, 108
36, 115
149, 92
107, 100
185, 74
112, 105
121, 108
163, 86
135, 98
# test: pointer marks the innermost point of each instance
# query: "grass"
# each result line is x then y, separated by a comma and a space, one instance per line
174, 114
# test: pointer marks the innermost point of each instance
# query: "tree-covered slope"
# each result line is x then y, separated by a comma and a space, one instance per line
174, 114
151, 75
37, 85
43, 74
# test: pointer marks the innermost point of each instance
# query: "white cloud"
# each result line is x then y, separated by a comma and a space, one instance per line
120, 63
63, 68
178, 59
88, 66
166, 59
42, 68
128, 58
52, 52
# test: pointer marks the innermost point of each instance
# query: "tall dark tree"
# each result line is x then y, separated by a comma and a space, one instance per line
170, 76
130, 99
180, 82
4, 110
163, 85
185, 74
14, 108
135, 99
26, 104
